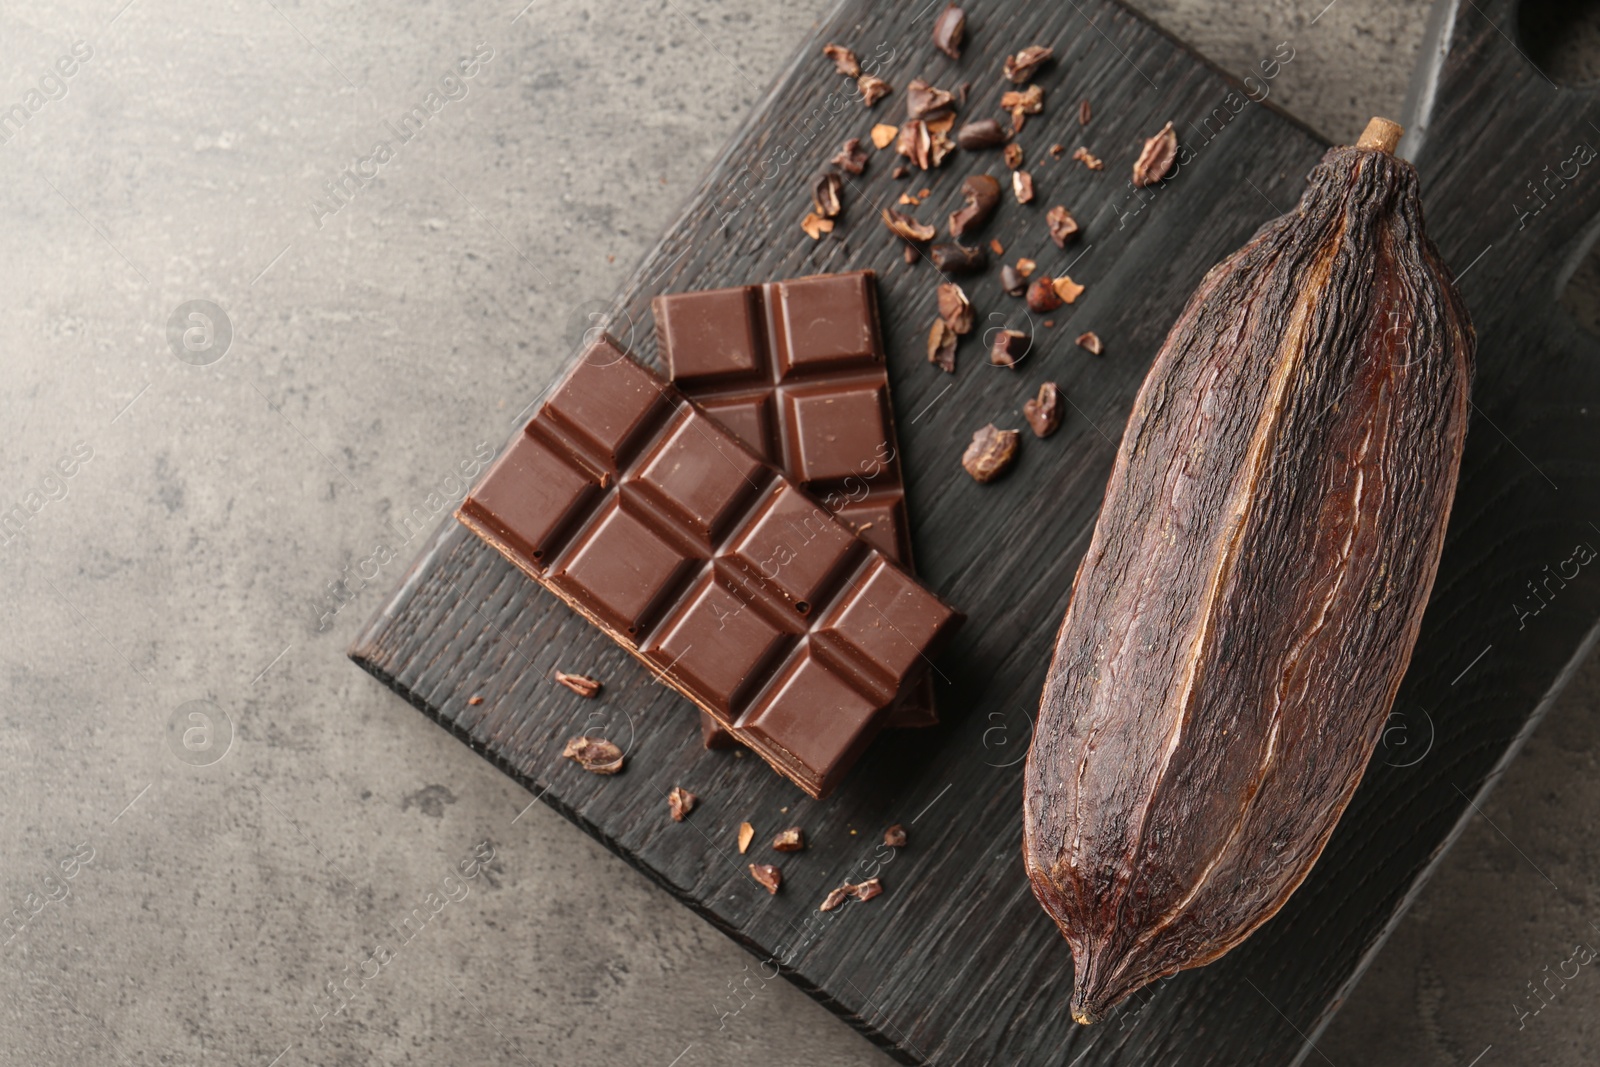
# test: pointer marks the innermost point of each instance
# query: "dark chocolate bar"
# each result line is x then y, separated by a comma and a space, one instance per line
795, 369
738, 590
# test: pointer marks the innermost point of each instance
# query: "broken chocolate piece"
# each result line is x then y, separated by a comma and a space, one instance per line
948, 30
982, 195
980, 134
852, 158
952, 258
844, 60
680, 802
990, 453
767, 875
1020, 67
791, 840
1043, 412
954, 307
1156, 158
581, 684
1063, 227
594, 754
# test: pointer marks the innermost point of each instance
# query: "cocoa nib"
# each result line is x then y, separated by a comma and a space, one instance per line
952, 258
865, 891
747, 833
873, 89
825, 194
680, 802
925, 143
1025, 267
1067, 289
1090, 342
852, 158
1020, 67
1011, 282
581, 684
844, 60
883, 135
982, 195
1063, 227
1042, 296
1043, 412
1083, 113
899, 171
791, 840
1156, 159
903, 225
815, 225
948, 30
1082, 155
768, 875
1013, 156
836, 897
955, 310
923, 101
942, 341
1022, 185
1021, 103
980, 134
996, 247
1007, 348
895, 836
990, 453
910, 254
594, 754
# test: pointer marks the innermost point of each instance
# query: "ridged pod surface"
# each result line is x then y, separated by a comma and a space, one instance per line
1249, 602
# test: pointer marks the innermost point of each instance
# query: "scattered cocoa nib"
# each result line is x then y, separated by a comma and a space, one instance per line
865, 891
1021, 103
747, 834
1013, 156
1067, 289
1062, 226
873, 89
990, 453
1042, 295
883, 135
982, 195
474, 701
791, 840
915, 143
910, 254
923, 101
908, 200
1049, 324
1022, 185
1008, 347
903, 225
1056, 150
768, 875
1090, 342
955, 310
836, 897
979, 134
942, 341
815, 225
924, 193
1012, 283
581, 684
594, 754
895, 836
1043, 412
1156, 159
996, 247
680, 802
952, 258
1020, 67
899, 171
1082, 155
1025, 267
1083, 112
961, 93
844, 60
852, 158
948, 30
825, 194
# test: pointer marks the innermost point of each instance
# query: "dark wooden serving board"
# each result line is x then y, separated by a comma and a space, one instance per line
955, 963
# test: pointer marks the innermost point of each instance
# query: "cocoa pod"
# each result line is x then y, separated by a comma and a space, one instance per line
1247, 607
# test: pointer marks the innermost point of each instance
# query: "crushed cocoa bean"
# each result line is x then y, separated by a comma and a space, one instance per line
996, 247
873, 89
952, 258
903, 225
948, 30
1008, 348
767, 875
1043, 412
815, 225
1022, 186
1022, 103
1025, 267
883, 135
747, 834
581, 684
1090, 342
980, 134
1042, 296
955, 310
852, 158
1062, 226
1013, 155
895, 836
924, 101
1012, 283
844, 60
594, 754
1083, 112
1020, 67
990, 453
825, 194
981, 193
791, 840
836, 897
680, 802
942, 342
1084, 156
1067, 289
865, 891
1156, 158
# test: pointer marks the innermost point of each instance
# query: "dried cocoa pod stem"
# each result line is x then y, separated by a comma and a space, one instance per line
1248, 605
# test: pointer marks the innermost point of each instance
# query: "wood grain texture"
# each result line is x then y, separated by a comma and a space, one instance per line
956, 963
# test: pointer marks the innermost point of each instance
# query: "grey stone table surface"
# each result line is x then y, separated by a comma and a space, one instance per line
210, 817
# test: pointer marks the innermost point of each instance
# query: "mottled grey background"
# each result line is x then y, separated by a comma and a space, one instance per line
213, 898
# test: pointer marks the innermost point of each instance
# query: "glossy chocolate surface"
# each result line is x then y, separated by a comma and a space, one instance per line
656, 523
